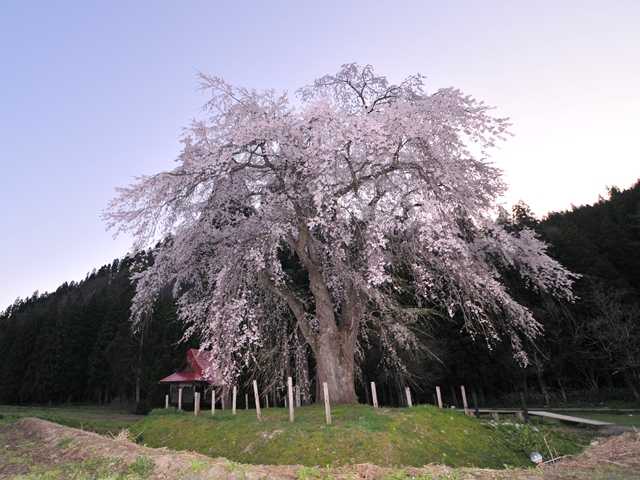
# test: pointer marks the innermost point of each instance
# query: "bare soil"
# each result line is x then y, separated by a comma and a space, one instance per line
31, 447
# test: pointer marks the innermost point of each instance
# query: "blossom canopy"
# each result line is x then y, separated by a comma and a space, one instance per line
360, 188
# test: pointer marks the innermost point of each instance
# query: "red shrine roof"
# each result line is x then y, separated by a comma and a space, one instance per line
200, 368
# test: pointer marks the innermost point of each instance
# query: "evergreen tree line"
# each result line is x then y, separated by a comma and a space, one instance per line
589, 350
76, 344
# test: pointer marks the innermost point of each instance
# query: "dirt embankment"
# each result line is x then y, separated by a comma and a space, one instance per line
32, 445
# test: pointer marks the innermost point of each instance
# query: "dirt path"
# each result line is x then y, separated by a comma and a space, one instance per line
45, 450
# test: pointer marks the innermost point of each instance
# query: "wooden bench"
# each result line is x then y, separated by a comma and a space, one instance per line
567, 418
544, 414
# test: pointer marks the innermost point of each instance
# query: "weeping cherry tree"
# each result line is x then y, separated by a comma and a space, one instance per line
363, 185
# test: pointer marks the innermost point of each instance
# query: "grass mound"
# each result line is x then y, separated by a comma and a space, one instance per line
359, 434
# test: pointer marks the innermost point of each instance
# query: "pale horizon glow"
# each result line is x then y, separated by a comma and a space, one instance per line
93, 95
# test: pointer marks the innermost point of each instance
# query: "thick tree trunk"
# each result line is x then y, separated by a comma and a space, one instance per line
333, 338
335, 365
334, 346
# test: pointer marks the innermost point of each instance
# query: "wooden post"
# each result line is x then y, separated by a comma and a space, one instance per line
196, 403
266, 401
374, 395
439, 395
166, 401
222, 399
408, 392
235, 393
246, 401
465, 405
256, 396
327, 406
298, 402
290, 390
180, 398
213, 401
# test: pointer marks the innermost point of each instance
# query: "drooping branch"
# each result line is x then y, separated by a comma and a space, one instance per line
297, 306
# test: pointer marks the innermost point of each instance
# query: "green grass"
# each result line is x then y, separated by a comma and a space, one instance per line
388, 437
96, 419
359, 434
65, 442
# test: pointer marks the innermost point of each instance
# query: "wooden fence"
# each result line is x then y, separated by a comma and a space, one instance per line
292, 400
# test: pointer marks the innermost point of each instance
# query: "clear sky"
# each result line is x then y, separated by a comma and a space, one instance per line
94, 93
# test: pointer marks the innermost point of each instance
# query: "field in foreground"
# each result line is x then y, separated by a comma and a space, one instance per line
359, 434
34, 449
104, 420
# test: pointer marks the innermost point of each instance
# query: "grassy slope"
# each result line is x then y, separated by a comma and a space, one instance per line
97, 419
359, 434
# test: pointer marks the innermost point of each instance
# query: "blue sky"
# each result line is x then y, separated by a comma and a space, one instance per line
95, 93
